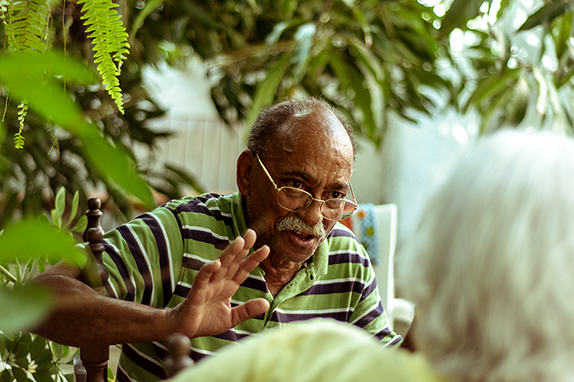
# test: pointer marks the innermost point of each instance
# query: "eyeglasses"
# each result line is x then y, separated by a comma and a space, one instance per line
296, 200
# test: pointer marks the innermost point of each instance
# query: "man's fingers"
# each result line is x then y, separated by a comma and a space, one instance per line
205, 273
228, 257
250, 237
249, 241
250, 309
250, 263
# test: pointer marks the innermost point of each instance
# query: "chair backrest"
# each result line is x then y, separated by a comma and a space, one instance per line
385, 220
94, 360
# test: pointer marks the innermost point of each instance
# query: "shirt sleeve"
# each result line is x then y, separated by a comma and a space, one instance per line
144, 258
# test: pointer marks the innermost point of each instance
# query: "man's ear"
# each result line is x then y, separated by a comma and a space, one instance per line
245, 165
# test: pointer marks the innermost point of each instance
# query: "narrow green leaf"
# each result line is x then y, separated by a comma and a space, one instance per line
114, 164
490, 87
288, 7
564, 31
458, 14
493, 108
517, 103
543, 91
265, 93
351, 79
75, 204
186, 177
80, 225
143, 14
546, 14
304, 37
38, 238
60, 204
24, 76
53, 63
367, 56
278, 29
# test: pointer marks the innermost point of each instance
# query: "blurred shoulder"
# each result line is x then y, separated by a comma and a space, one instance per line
312, 351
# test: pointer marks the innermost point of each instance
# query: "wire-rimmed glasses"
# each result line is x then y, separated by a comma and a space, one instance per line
296, 200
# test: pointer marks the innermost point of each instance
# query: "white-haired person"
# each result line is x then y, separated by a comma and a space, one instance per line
490, 271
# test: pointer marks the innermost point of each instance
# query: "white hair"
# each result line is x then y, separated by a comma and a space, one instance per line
491, 265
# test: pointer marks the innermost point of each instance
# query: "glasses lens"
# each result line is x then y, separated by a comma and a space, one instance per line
333, 208
293, 199
338, 209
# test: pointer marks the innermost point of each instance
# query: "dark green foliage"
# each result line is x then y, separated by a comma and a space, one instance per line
32, 358
369, 59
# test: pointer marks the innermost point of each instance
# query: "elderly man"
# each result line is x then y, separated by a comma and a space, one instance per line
174, 270
490, 271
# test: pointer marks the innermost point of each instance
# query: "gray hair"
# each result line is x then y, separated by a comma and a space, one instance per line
272, 118
490, 265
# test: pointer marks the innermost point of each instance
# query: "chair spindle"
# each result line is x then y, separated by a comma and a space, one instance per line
95, 359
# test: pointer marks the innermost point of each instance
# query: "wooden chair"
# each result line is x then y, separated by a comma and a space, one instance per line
92, 365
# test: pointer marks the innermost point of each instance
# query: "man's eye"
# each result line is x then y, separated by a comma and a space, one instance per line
295, 184
336, 195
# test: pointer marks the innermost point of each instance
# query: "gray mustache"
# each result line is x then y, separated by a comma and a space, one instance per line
295, 223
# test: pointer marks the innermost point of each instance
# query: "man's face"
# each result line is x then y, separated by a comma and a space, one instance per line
314, 154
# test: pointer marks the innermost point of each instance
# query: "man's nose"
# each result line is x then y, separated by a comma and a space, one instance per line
312, 214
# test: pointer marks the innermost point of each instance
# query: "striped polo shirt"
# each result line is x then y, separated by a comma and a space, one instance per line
154, 258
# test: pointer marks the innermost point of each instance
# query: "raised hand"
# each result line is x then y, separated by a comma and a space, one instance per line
207, 308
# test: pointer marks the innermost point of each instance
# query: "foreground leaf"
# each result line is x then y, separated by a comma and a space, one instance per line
28, 305
38, 238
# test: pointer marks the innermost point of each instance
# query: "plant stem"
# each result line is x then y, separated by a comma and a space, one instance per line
8, 275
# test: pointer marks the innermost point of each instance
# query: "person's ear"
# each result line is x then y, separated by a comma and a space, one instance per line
245, 165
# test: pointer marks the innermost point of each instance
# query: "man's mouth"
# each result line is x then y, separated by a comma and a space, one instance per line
302, 238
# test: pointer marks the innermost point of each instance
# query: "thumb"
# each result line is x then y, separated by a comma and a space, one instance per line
250, 309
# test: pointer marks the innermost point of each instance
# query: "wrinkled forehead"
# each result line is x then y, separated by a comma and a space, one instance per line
317, 131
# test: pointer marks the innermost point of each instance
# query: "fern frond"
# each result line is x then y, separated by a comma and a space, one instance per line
27, 25
3, 10
18, 137
110, 43
19, 140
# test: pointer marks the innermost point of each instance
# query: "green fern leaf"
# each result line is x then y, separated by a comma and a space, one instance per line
3, 10
18, 137
110, 43
27, 25
19, 141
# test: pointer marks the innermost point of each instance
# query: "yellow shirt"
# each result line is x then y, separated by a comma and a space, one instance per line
312, 351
